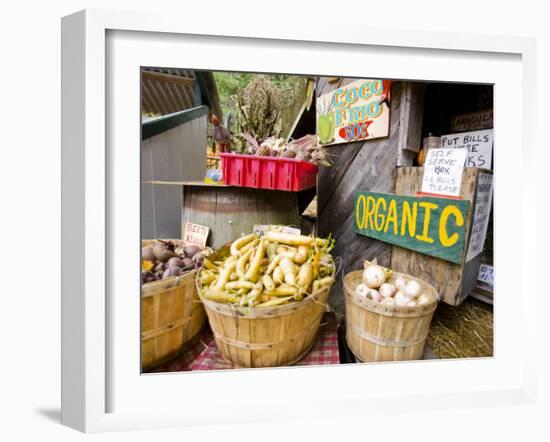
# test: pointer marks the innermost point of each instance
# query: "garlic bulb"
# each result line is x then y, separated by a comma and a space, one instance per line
374, 276
387, 290
412, 289
411, 304
424, 299
388, 301
401, 283
362, 290
401, 298
374, 295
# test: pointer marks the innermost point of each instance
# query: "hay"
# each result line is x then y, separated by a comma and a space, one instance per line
465, 331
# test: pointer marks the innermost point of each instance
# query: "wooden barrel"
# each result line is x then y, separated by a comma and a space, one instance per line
265, 336
231, 211
377, 332
171, 316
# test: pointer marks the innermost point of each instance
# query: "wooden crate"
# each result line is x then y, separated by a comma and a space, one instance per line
171, 316
376, 332
454, 282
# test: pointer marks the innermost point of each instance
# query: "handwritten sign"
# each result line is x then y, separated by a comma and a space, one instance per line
472, 121
443, 172
195, 234
486, 274
433, 226
261, 229
479, 144
484, 198
356, 111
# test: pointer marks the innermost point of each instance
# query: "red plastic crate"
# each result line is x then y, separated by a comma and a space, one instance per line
268, 172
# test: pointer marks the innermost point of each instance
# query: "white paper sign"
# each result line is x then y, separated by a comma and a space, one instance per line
480, 222
486, 274
195, 234
261, 229
479, 144
443, 172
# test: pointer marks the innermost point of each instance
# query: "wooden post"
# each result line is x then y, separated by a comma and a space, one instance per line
369, 165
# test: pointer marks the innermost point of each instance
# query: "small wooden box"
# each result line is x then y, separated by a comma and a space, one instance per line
454, 282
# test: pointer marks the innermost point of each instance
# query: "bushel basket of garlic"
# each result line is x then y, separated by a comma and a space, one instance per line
171, 311
388, 313
265, 296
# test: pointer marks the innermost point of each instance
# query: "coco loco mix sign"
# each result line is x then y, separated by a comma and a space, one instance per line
357, 111
433, 226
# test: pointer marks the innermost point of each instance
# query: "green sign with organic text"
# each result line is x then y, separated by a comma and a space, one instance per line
433, 226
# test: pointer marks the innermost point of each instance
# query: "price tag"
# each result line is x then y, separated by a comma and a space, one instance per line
486, 273
195, 234
261, 229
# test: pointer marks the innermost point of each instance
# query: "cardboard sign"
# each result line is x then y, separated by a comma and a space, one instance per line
443, 172
486, 274
472, 121
261, 229
433, 226
484, 198
479, 144
356, 111
195, 234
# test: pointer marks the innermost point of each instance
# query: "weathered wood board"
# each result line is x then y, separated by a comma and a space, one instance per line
230, 212
432, 226
453, 281
369, 165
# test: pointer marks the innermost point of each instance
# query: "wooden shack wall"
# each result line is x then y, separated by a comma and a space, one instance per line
178, 154
369, 165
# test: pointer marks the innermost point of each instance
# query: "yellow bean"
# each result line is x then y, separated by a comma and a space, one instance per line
288, 238
210, 265
305, 276
278, 276
275, 302
241, 263
235, 247
274, 263
239, 285
252, 272
220, 296
268, 282
282, 291
289, 270
227, 269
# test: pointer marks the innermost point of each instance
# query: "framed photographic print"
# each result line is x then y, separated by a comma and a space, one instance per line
248, 217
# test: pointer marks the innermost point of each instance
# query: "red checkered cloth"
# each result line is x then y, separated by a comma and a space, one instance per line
184, 361
324, 351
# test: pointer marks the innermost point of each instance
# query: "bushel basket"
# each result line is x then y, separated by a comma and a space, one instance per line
171, 316
265, 336
377, 332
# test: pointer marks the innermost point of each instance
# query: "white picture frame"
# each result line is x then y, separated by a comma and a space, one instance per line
93, 177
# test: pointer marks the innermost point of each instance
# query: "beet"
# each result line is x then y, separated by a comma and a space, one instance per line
171, 271
191, 250
147, 253
162, 252
176, 262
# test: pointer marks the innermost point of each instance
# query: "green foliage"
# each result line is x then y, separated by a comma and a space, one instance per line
230, 84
